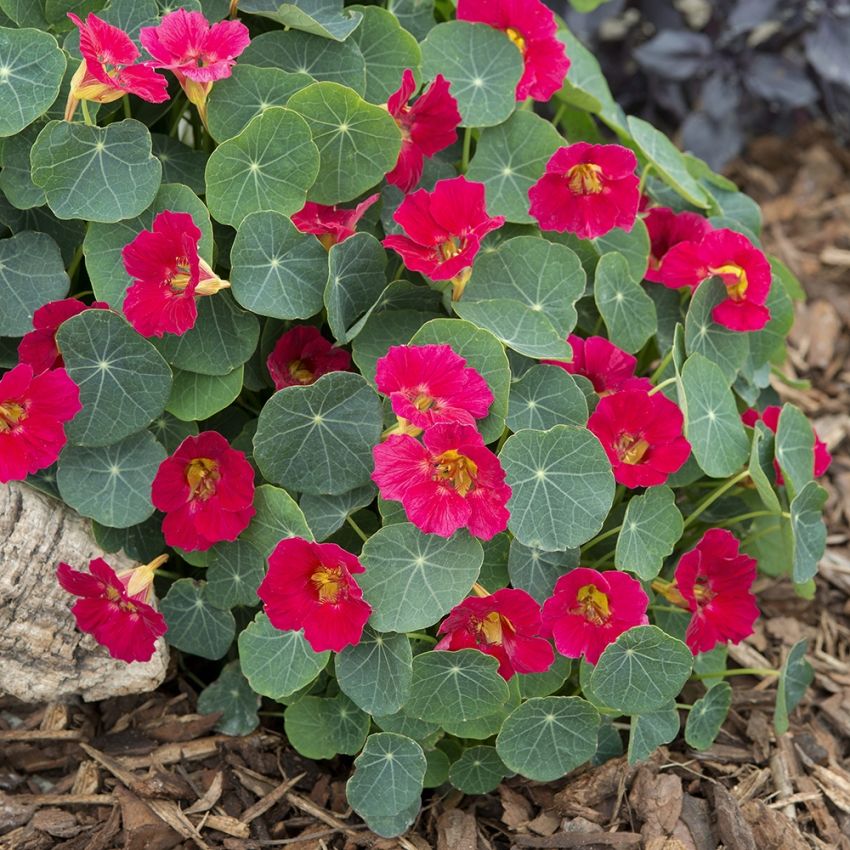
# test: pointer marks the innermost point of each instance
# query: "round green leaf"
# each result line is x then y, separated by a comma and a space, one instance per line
25, 13
299, 52
180, 163
412, 579
376, 673
809, 530
223, 338
141, 542
484, 353
641, 671
546, 396
794, 443
277, 663
278, 517
632, 244
510, 159
388, 776
712, 423
31, 70
111, 484
481, 63
276, 270
547, 737
544, 684
403, 724
195, 396
562, 486
394, 825
437, 771
31, 274
478, 771
270, 165
231, 695
16, 174
387, 50
321, 728
104, 242
707, 716
761, 467
650, 731
794, 679
248, 92
416, 16
651, 528
324, 18
358, 142
536, 571
628, 312
96, 173
194, 624
319, 438
452, 686
123, 380
171, 431
234, 573
327, 514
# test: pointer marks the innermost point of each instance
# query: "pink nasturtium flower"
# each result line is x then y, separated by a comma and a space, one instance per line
431, 384
532, 27
310, 586
587, 190
506, 625
427, 127
443, 230
607, 367
109, 69
302, 355
666, 229
198, 54
741, 266
168, 274
38, 347
206, 490
588, 610
770, 417
331, 224
33, 413
715, 581
116, 608
642, 436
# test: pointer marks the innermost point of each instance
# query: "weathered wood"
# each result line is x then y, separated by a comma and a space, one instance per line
42, 655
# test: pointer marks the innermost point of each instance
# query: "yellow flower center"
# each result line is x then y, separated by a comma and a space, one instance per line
328, 240
451, 248
329, 583
423, 402
592, 604
299, 371
734, 278
631, 449
202, 476
10, 415
180, 279
516, 37
584, 178
457, 470
491, 628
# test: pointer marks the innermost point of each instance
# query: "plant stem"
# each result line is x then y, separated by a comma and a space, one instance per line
86, 114
357, 529
737, 671
75, 260
683, 706
421, 636
665, 362
661, 386
752, 515
709, 500
600, 537
467, 147
643, 177
559, 114
125, 102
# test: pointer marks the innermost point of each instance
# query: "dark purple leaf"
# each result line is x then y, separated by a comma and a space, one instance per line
779, 80
715, 141
675, 54
828, 49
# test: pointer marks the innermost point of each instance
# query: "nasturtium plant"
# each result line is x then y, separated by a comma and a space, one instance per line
430, 371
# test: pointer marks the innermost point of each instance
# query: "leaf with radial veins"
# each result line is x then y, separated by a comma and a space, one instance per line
651, 528
628, 312
324, 18
16, 172
96, 173
278, 517
321, 727
194, 624
194, 396
270, 165
546, 396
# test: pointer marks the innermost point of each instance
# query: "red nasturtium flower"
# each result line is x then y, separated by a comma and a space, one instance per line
109, 69
532, 28
642, 436
443, 229
302, 355
310, 586
715, 581
506, 625
115, 608
666, 229
451, 481
427, 127
430, 384
587, 190
770, 417
607, 367
206, 490
331, 224
168, 275
741, 266
38, 347
197, 53
588, 610
33, 413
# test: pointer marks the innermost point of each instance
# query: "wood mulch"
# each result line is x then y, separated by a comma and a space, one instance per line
148, 773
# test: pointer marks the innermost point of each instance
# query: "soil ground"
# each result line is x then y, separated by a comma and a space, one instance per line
148, 773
